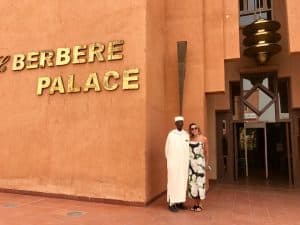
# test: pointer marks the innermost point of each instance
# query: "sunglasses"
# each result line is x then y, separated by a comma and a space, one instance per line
194, 128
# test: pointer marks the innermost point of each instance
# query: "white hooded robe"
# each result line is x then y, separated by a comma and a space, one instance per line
177, 155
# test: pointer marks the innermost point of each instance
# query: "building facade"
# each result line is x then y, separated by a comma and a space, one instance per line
89, 91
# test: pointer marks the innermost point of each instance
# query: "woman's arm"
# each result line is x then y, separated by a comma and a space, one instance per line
205, 142
206, 152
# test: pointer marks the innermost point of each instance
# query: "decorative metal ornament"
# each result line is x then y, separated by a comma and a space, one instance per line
181, 53
261, 40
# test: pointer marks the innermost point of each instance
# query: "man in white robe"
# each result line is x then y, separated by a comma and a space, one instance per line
177, 155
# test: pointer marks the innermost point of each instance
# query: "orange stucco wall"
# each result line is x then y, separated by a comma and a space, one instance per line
155, 99
109, 144
90, 144
214, 47
231, 29
221, 22
181, 20
293, 22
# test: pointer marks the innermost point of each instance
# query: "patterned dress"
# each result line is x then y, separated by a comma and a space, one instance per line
196, 181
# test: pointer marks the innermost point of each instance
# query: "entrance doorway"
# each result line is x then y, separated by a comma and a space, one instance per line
262, 153
257, 137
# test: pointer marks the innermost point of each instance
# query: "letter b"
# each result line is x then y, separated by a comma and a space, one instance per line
18, 62
63, 56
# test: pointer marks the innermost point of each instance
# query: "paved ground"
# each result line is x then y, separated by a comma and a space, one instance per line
226, 204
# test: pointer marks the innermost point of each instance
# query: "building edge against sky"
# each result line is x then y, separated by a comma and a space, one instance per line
110, 144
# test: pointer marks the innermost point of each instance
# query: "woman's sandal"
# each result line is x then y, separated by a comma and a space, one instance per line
197, 208
194, 207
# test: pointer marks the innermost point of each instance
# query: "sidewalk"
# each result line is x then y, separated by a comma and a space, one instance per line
226, 204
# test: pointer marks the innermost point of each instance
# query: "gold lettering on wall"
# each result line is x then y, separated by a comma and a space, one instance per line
115, 49
57, 85
32, 60
43, 82
110, 81
18, 62
63, 56
97, 50
71, 88
106, 78
78, 52
92, 83
46, 58
129, 78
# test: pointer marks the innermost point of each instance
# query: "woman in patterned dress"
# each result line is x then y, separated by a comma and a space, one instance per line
198, 162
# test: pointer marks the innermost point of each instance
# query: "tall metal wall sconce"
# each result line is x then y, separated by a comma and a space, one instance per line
181, 53
261, 40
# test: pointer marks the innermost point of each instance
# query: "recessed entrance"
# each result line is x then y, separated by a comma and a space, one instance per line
256, 140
